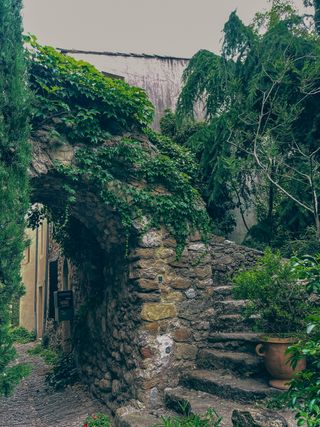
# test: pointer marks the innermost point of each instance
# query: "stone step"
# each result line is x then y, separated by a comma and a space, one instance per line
185, 401
230, 306
198, 402
230, 323
241, 364
228, 386
234, 341
136, 419
222, 291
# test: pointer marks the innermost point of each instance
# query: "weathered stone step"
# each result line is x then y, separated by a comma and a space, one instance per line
185, 401
222, 291
244, 364
230, 306
230, 323
198, 402
236, 341
136, 419
228, 386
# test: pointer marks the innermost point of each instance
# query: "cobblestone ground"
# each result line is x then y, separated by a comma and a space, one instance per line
34, 405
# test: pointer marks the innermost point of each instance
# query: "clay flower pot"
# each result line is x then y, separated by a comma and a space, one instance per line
277, 361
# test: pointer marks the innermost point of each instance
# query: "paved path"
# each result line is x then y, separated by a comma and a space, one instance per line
33, 405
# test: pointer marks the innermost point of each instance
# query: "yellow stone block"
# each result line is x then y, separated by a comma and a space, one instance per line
172, 296
157, 311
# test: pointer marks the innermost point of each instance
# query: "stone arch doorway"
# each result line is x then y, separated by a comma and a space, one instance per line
104, 319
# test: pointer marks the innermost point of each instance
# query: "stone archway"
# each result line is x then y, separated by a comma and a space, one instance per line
141, 314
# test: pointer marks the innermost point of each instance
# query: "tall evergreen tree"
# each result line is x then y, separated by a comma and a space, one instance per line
260, 144
14, 158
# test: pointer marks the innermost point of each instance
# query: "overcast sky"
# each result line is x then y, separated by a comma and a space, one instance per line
169, 27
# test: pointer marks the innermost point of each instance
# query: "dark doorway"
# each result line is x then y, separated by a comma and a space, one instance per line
53, 284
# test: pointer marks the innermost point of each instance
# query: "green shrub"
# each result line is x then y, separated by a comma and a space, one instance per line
22, 335
97, 420
48, 355
13, 375
308, 243
89, 105
63, 373
210, 419
304, 392
275, 294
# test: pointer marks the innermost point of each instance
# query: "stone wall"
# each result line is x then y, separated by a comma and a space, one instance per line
155, 315
228, 258
175, 306
141, 319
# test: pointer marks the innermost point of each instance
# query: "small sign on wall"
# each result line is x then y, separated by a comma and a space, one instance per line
63, 305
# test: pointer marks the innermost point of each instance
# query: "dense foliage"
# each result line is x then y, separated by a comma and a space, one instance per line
275, 294
140, 174
22, 335
304, 392
181, 133
48, 355
79, 102
14, 158
13, 376
261, 139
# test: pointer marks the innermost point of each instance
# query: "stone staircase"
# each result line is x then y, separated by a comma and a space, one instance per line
228, 374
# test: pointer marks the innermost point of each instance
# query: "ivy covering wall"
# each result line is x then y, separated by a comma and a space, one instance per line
14, 159
134, 170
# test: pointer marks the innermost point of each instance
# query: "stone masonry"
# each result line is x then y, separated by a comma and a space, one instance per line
153, 316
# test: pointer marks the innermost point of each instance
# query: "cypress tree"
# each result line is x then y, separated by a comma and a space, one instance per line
14, 159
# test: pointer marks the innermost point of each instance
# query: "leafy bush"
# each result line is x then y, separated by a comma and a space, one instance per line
80, 102
12, 376
210, 419
97, 420
308, 243
179, 131
48, 355
304, 392
276, 293
63, 373
22, 335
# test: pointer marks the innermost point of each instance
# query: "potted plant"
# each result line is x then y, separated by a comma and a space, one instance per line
279, 302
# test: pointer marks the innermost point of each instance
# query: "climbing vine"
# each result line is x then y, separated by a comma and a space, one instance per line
78, 102
134, 170
139, 183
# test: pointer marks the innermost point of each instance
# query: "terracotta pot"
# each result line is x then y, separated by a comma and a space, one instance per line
277, 361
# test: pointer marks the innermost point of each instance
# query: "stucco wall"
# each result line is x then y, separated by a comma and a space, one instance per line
31, 261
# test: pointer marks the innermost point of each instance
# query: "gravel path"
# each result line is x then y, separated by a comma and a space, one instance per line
33, 405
